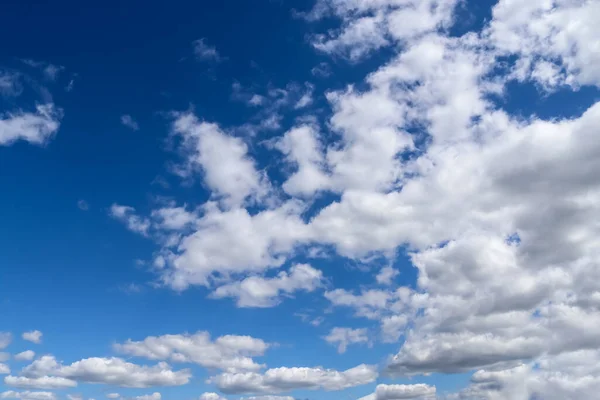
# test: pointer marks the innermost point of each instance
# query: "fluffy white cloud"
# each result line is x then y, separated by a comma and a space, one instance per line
267, 292
4, 369
33, 336
128, 121
223, 159
346, 336
39, 382
4, 356
34, 127
398, 392
26, 355
10, 394
233, 242
302, 147
386, 275
229, 352
111, 371
211, 396
283, 379
552, 49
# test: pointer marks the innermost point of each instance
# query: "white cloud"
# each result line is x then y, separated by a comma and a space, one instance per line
153, 396
110, 371
346, 336
386, 275
301, 146
10, 394
133, 222
233, 242
34, 127
211, 396
128, 121
554, 50
113, 395
39, 382
52, 71
26, 355
205, 52
228, 170
4, 369
5, 339
283, 379
267, 292
399, 392
10, 83
173, 218
33, 336
228, 352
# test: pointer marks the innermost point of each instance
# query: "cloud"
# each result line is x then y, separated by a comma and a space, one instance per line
10, 83
33, 336
110, 371
346, 336
39, 382
551, 50
205, 52
285, 379
10, 394
33, 127
26, 355
398, 392
128, 121
386, 276
267, 292
5, 339
4, 369
211, 396
4, 356
83, 205
133, 222
228, 352
223, 159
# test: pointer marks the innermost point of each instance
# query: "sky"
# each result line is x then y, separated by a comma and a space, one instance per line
300, 200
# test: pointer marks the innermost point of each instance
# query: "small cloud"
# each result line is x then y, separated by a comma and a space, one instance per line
131, 288
129, 122
33, 336
323, 70
52, 71
205, 52
83, 205
26, 355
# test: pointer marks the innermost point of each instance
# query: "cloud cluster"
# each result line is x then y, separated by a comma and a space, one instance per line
46, 372
229, 352
284, 379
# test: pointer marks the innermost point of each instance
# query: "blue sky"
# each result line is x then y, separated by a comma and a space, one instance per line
280, 200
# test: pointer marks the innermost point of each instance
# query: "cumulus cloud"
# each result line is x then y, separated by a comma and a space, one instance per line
36, 127
26, 355
418, 391
111, 371
228, 352
33, 336
283, 379
4, 369
223, 159
39, 382
27, 395
346, 336
497, 212
267, 292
